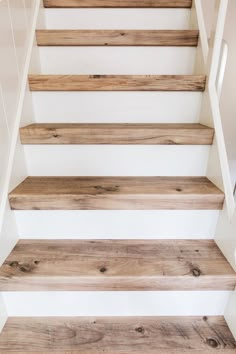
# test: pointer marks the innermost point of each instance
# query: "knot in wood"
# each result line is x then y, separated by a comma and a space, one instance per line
25, 268
139, 329
106, 189
14, 264
103, 269
196, 272
213, 343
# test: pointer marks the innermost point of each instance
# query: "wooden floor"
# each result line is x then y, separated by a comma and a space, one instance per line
117, 38
119, 3
115, 335
128, 134
116, 193
116, 265
117, 82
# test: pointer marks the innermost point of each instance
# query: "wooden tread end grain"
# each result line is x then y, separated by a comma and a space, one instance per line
117, 134
117, 82
117, 37
116, 193
118, 3
117, 335
115, 265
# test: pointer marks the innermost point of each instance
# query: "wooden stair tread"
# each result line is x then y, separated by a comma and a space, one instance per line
119, 3
97, 335
116, 193
144, 134
117, 37
116, 265
117, 82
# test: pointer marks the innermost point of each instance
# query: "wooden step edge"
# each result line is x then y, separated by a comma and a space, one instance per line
116, 265
117, 134
117, 82
116, 193
117, 335
117, 3
117, 38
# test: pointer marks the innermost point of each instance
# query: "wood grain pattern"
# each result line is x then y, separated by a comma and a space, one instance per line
116, 335
117, 82
116, 134
116, 193
125, 265
117, 38
119, 3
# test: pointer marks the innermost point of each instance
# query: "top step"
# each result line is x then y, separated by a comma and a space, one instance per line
118, 3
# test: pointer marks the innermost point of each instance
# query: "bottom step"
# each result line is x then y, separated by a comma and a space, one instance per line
121, 335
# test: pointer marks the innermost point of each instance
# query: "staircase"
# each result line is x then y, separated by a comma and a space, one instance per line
116, 219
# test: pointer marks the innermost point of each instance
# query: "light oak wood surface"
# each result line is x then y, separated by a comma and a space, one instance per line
116, 335
117, 82
119, 3
125, 265
127, 134
117, 38
116, 193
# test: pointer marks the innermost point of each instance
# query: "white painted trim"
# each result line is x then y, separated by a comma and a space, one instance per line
202, 30
116, 303
230, 313
223, 63
223, 158
18, 113
211, 99
218, 38
3, 313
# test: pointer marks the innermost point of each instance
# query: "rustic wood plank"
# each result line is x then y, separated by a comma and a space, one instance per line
119, 3
116, 193
117, 82
116, 134
128, 265
117, 38
116, 335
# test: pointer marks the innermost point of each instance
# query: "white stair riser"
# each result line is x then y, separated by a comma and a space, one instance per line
117, 107
122, 224
110, 160
165, 303
117, 60
117, 18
